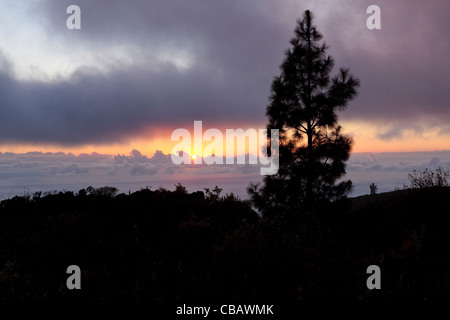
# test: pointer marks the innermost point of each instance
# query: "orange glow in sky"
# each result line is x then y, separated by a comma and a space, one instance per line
366, 138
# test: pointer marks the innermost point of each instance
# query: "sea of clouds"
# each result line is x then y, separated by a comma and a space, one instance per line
36, 171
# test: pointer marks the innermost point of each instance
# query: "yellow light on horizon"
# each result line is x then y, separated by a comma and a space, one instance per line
366, 137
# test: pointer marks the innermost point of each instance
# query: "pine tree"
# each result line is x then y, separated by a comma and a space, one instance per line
303, 104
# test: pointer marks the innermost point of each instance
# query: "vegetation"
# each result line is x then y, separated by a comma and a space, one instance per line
373, 188
176, 246
303, 106
429, 178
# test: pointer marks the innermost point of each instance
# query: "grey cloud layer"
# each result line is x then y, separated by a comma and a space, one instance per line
37, 171
236, 48
94, 108
45, 171
390, 170
403, 67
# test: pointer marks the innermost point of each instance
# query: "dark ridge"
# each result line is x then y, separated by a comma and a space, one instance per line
179, 247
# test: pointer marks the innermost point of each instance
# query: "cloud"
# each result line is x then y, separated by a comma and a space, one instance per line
143, 65
100, 109
74, 168
400, 161
403, 67
48, 171
390, 170
434, 162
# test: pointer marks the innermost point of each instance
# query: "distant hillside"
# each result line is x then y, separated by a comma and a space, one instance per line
177, 247
404, 196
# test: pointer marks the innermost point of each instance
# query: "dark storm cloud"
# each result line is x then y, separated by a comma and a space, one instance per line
403, 67
236, 47
97, 108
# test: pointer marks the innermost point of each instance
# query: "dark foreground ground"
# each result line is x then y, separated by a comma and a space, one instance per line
189, 248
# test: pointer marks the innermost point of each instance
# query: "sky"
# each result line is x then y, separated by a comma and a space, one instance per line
74, 102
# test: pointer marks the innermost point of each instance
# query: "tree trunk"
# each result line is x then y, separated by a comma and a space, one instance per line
309, 168
310, 162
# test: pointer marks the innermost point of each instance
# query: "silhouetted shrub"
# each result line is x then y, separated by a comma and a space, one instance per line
429, 178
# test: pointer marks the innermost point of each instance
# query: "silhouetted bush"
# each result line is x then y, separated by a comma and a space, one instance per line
429, 178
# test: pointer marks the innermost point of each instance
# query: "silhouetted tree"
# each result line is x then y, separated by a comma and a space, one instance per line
106, 191
303, 104
373, 188
179, 188
214, 194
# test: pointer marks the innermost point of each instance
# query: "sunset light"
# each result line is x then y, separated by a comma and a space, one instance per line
114, 86
196, 155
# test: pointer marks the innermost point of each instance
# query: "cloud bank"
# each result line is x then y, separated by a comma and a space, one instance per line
37, 171
142, 65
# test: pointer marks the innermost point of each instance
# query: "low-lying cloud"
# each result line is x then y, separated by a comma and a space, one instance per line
37, 171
